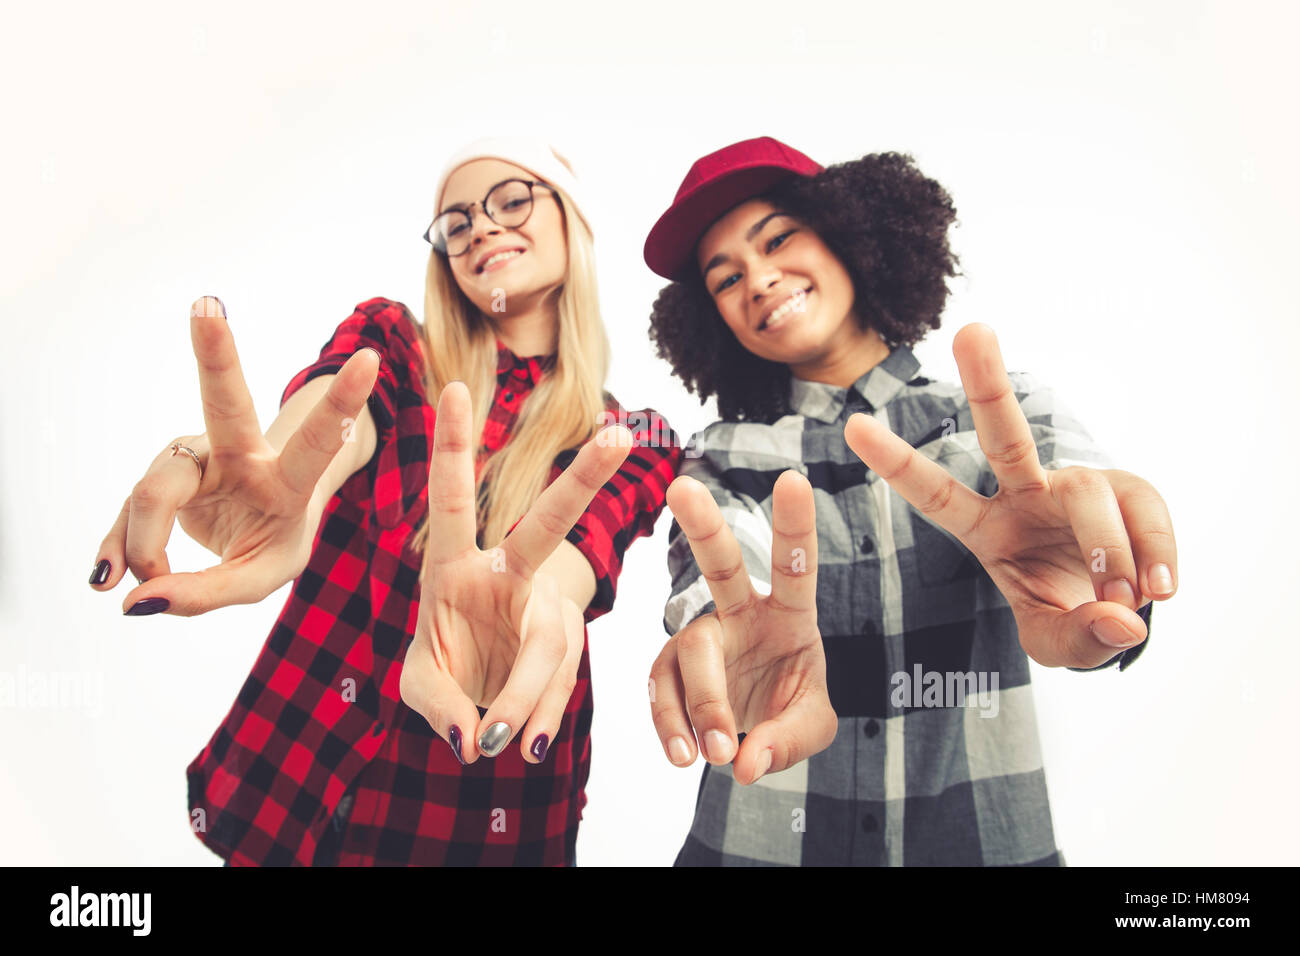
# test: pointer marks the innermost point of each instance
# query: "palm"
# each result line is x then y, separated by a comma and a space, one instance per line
243, 510
473, 618
773, 658
1060, 545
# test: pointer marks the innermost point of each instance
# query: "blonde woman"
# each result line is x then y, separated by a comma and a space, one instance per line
443, 576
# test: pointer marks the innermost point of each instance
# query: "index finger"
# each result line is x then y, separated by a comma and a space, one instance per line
925, 485
561, 504
716, 550
794, 543
227, 406
1000, 423
453, 511
316, 442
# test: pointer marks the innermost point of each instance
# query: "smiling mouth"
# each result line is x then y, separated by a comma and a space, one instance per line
505, 255
780, 313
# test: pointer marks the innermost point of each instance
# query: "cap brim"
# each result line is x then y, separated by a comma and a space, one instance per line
670, 246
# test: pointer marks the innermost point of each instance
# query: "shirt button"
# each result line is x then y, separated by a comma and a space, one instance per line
377, 729
868, 824
510, 396
867, 544
871, 728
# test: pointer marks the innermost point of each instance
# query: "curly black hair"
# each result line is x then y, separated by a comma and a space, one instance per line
884, 220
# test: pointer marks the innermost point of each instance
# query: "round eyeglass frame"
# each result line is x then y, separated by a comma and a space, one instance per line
468, 213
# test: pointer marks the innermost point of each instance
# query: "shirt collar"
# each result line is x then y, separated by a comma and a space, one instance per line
528, 368
878, 387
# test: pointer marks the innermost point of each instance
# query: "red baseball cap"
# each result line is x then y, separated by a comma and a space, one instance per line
717, 182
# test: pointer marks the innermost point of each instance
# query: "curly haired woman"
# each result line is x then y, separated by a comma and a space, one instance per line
856, 673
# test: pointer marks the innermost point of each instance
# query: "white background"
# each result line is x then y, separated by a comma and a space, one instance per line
1125, 182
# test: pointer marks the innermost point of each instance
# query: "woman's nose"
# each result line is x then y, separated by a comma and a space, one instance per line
764, 279
481, 225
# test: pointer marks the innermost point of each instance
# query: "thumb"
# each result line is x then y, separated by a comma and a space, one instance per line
1086, 637
803, 729
190, 593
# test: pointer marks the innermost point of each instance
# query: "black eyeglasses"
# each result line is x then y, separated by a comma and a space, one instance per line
508, 203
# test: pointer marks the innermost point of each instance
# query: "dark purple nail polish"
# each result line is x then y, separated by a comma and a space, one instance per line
101, 572
149, 606
455, 743
538, 749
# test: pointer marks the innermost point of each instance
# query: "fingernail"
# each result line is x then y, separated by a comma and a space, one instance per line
538, 749
1160, 579
764, 762
492, 740
678, 752
717, 746
148, 606
1120, 592
101, 572
1112, 632
209, 306
455, 743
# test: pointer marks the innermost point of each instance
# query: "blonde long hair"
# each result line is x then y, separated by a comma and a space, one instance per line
563, 411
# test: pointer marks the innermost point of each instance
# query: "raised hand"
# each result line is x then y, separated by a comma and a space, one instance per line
1071, 549
254, 507
492, 630
756, 664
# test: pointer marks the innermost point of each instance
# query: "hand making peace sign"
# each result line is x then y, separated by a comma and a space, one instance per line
254, 507
756, 664
492, 629
1069, 549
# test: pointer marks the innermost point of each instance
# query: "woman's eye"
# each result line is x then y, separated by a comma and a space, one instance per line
777, 240
726, 282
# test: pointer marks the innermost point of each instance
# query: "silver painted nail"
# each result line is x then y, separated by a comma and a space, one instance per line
493, 740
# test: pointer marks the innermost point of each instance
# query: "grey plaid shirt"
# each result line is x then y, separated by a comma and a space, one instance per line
936, 757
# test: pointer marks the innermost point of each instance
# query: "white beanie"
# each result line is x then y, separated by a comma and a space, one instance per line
535, 155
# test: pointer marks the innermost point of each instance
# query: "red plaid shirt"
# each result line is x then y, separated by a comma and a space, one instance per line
319, 746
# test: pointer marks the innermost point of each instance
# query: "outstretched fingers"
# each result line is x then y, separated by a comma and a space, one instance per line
227, 405
453, 512
562, 503
1000, 423
330, 424
923, 483
794, 544
716, 549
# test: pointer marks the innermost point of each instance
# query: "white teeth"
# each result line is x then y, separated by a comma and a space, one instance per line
499, 256
782, 310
